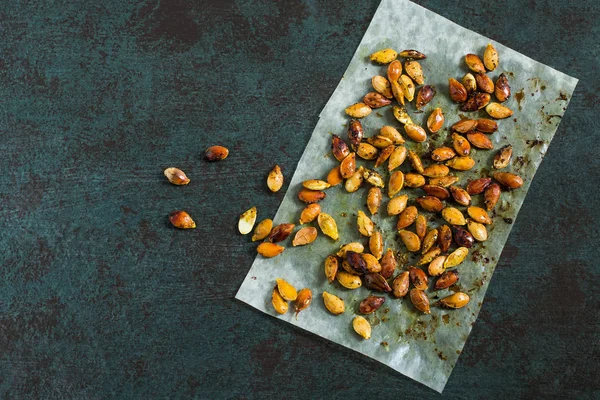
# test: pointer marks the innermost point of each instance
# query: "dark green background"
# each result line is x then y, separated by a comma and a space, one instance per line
101, 298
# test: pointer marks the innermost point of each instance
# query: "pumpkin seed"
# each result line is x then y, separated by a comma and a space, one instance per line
424, 96
415, 162
421, 226
436, 266
414, 180
478, 214
435, 120
394, 71
287, 291
490, 57
491, 196
348, 281
305, 236
418, 278
310, 213
444, 181
371, 304
414, 70
331, 268
216, 153
476, 101
430, 203
458, 93
279, 304
427, 257
407, 217
478, 230
461, 163
391, 133
364, 224
376, 100
436, 171
502, 88
280, 232
463, 238
410, 240
268, 249
469, 82
396, 183
474, 63
356, 133
176, 176
484, 83
397, 204
460, 195
358, 110
334, 177
464, 125
381, 142
502, 158
453, 216
374, 200
315, 184
446, 280
333, 304
498, 111
429, 240
417, 55
408, 87
397, 158
182, 220
456, 257
388, 264
246, 222
311, 196
352, 246
362, 327
303, 300
401, 115
355, 181
384, 56
400, 284
373, 178
442, 154
438, 191
455, 300
366, 151
348, 166
376, 245
372, 264
461, 145
420, 300
384, 155
339, 148
262, 230
376, 281
415, 132
328, 225
477, 186
480, 140
357, 265
444, 237
486, 125
382, 86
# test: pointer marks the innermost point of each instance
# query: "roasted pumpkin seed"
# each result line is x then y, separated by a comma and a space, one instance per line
384, 155
420, 300
460, 195
461, 145
508, 179
280, 232
478, 214
478, 230
444, 181
355, 262
366, 151
372, 264
502, 158
438, 191
484, 83
442, 154
333, 304
490, 57
176, 176
462, 237
424, 96
430, 203
315, 184
418, 278
339, 148
408, 87
182, 220
268, 249
435, 122
348, 166
287, 291
328, 225
402, 116
362, 327
262, 230
477, 186
421, 226
374, 200
279, 304
376, 100
310, 213
216, 153
427, 257
458, 93
455, 300
491, 196
397, 158
410, 240
400, 284
364, 224
376, 281
444, 238
397, 91
502, 88
469, 82
356, 133
476, 101
429, 240
382, 86
381, 142
384, 56
376, 245
391, 133
486, 125
407, 217
436, 266
417, 55
456, 257
388, 264
474, 63
331, 268
414, 180
352, 246
397, 204
453, 216
246, 222
396, 183
311, 196
415, 162
461, 163
394, 71
415, 132
414, 71
303, 300
446, 280
348, 281
371, 304
464, 125
373, 178
334, 177
480, 140
436, 171
305, 236
358, 110
498, 111
355, 181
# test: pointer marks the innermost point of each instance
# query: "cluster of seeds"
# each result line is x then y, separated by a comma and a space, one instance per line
438, 249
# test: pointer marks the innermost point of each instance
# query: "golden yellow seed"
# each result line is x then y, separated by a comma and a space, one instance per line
362, 327
331, 268
397, 204
328, 225
334, 304
287, 291
275, 179
348, 281
262, 230
247, 220
455, 300
279, 304
456, 257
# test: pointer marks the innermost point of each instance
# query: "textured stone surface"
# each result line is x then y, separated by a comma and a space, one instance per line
101, 298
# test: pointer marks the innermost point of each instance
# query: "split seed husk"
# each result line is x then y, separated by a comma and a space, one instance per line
384, 155
402, 116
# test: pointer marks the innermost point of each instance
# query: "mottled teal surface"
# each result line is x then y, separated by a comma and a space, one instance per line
101, 298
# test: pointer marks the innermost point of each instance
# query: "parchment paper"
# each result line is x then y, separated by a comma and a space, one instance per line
422, 347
